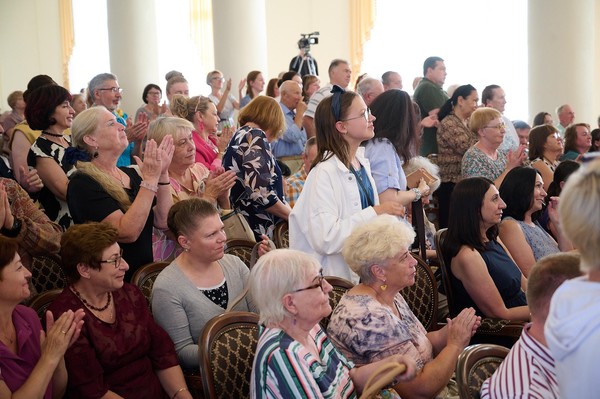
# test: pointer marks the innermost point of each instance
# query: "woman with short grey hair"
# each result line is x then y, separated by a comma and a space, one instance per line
372, 320
294, 357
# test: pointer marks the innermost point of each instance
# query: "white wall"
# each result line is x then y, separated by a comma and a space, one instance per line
29, 44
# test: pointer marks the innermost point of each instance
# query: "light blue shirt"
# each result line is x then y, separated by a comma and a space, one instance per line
293, 140
125, 157
386, 165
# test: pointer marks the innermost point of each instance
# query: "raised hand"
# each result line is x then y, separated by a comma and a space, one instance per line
6, 217
136, 132
225, 138
462, 327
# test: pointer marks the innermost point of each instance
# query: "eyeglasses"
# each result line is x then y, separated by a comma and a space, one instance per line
116, 261
317, 285
113, 89
500, 126
154, 93
222, 79
365, 114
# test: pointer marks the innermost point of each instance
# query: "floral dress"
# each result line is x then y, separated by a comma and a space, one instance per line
259, 183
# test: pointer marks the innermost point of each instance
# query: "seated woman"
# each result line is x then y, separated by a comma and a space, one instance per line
561, 174
32, 363
258, 191
394, 144
484, 159
201, 282
294, 358
545, 149
523, 192
131, 201
188, 178
542, 118
202, 113
578, 141
48, 109
482, 273
373, 321
121, 351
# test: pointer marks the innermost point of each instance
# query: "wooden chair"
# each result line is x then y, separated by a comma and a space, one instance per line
340, 287
492, 330
40, 303
47, 273
242, 249
422, 296
476, 364
226, 353
145, 276
281, 235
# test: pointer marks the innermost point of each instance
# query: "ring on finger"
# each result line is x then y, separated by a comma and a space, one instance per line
64, 332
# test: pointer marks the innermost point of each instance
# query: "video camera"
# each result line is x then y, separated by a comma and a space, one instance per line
306, 40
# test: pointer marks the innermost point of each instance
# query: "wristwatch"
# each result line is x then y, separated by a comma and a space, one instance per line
13, 231
417, 194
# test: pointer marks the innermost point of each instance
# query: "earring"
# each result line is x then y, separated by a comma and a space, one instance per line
186, 249
95, 154
383, 286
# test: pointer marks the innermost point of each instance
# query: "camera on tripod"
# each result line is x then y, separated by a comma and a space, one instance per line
307, 40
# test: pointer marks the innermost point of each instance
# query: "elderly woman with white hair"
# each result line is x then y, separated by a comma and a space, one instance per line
294, 357
572, 328
372, 321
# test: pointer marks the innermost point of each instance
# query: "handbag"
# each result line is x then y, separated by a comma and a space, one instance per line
236, 226
383, 376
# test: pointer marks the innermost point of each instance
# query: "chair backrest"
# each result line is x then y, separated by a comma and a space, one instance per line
422, 296
47, 273
340, 287
440, 237
476, 364
226, 353
242, 249
145, 276
281, 235
40, 302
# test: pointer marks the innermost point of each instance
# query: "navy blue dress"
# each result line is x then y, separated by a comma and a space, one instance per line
504, 272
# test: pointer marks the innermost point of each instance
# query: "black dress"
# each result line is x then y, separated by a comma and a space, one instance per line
89, 202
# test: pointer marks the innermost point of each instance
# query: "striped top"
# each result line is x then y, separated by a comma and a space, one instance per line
527, 372
283, 368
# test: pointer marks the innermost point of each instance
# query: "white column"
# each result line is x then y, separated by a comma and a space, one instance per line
563, 57
133, 48
240, 37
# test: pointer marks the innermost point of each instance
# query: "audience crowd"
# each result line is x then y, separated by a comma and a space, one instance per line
106, 194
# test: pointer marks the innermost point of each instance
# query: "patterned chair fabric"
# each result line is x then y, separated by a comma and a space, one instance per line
226, 353
491, 328
340, 287
145, 276
40, 302
47, 273
281, 235
475, 365
242, 249
422, 296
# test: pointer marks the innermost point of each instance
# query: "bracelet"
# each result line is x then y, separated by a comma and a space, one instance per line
417, 194
13, 231
149, 186
177, 392
160, 183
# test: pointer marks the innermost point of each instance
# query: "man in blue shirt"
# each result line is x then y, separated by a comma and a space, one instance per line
293, 139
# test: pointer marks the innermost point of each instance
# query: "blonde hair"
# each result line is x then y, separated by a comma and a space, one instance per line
186, 108
165, 126
266, 113
579, 214
277, 273
84, 125
481, 117
376, 242
173, 77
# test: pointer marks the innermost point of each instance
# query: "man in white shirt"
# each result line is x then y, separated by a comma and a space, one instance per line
339, 74
566, 116
528, 371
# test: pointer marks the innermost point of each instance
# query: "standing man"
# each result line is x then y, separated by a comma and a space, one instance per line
369, 88
391, 80
493, 96
566, 116
291, 144
104, 90
339, 74
430, 96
